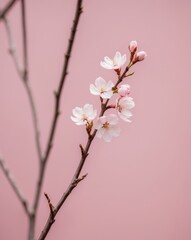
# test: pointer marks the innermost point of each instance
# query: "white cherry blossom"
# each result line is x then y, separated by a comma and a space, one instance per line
107, 127
84, 115
102, 88
116, 63
123, 105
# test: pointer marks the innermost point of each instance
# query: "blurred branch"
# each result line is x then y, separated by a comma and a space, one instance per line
27, 83
7, 8
23, 74
14, 186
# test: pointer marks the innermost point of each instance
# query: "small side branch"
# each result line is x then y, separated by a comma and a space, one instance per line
51, 207
14, 186
54, 211
7, 8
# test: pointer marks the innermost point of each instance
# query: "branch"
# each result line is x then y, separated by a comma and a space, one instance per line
7, 8
57, 102
23, 74
14, 186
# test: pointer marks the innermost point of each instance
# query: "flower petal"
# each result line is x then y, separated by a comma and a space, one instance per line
100, 83
112, 119
106, 66
94, 90
107, 94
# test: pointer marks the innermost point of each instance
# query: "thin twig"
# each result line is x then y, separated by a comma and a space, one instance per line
12, 48
57, 103
24, 33
14, 186
6, 9
75, 180
63, 78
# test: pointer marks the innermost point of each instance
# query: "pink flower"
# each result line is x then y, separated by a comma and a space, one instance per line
83, 116
133, 46
140, 56
107, 127
124, 90
102, 88
114, 63
123, 105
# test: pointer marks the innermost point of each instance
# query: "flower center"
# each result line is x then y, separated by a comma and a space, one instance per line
84, 118
105, 125
119, 108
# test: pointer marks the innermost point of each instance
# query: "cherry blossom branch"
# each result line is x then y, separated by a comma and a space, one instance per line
76, 179
7, 8
14, 186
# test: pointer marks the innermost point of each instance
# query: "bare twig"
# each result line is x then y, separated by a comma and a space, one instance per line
14, 186
24, 33
12, 48
57, 102
6, 9
63, 78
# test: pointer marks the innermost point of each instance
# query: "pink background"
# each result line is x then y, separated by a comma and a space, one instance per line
138, 186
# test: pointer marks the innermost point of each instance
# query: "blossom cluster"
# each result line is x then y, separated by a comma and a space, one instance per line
106, 126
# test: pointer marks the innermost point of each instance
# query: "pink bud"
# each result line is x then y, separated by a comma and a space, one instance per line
124, 90
133, 46
140, 56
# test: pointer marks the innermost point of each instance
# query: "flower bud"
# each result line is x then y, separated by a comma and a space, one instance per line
140, 56
124, 90
133, 46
